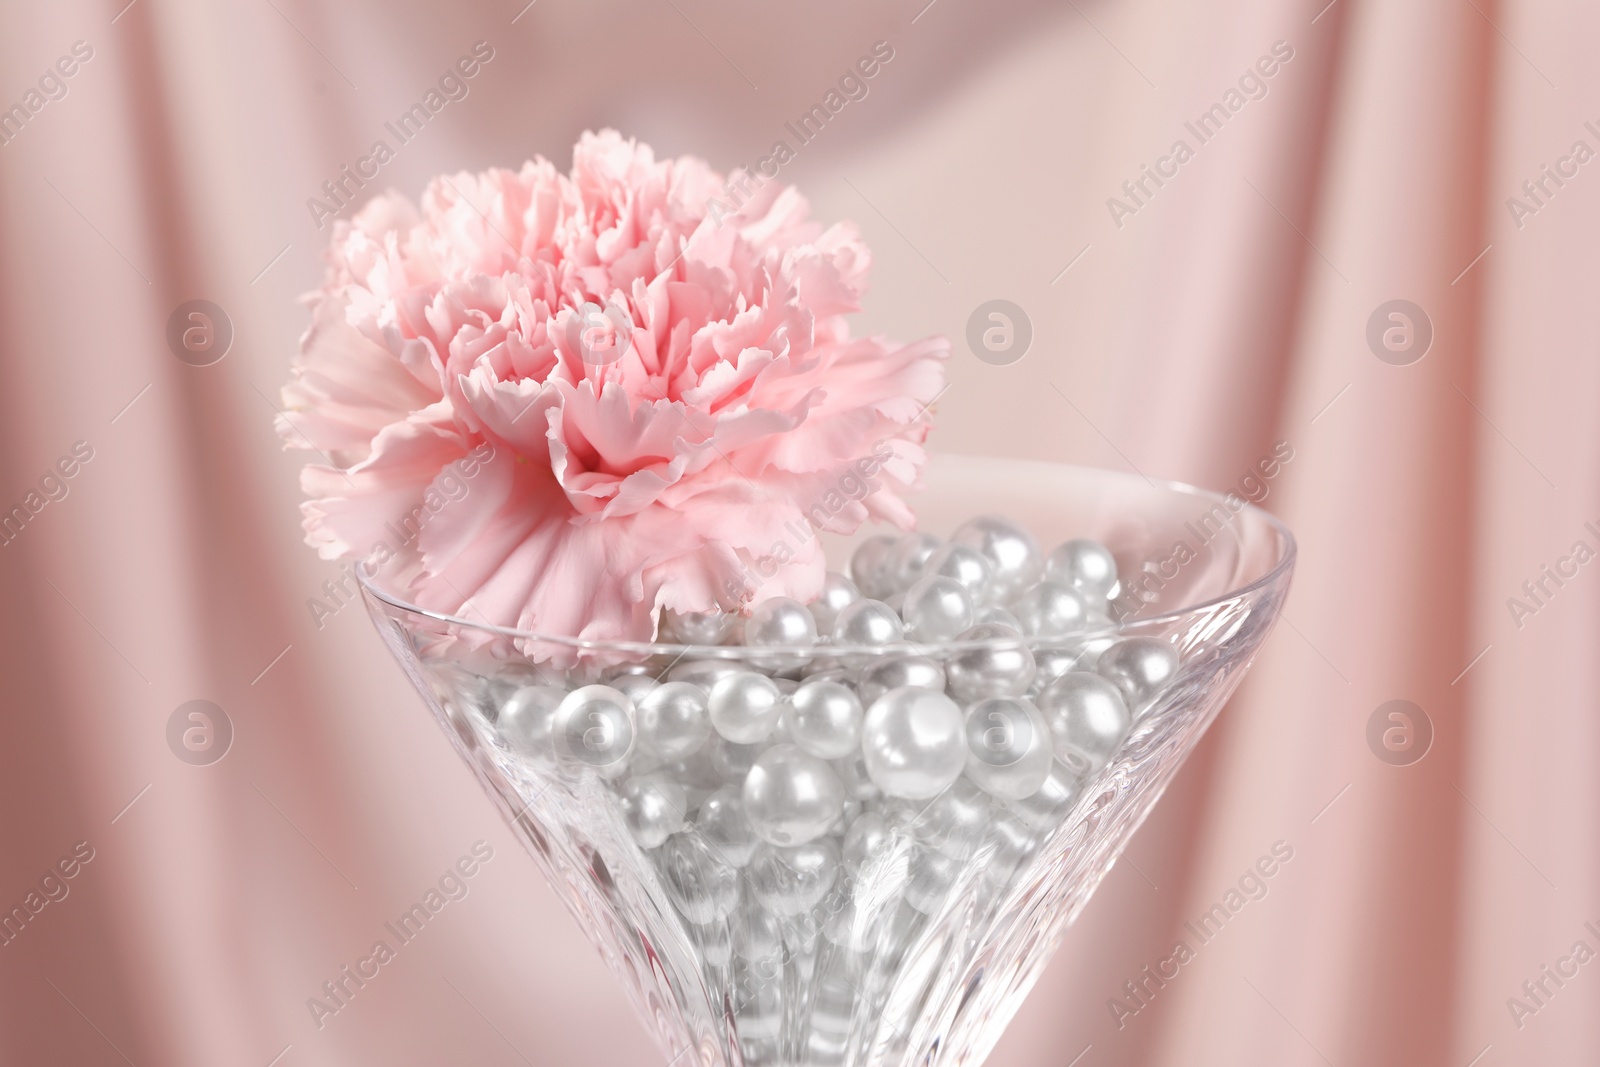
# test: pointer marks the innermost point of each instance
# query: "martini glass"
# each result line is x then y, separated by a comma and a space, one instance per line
910, 931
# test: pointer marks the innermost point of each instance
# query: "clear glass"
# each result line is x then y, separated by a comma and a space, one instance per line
919, 948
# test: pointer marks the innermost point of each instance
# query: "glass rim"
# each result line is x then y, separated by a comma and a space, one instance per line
1287, 547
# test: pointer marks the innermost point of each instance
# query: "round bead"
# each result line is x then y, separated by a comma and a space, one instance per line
838, 592
791, 797
1051, 662
1002, 668
995, 615
824, 719
704, 672
1139, 666
593, 727
868, 622
673, 720
936, 609
1087, 566
730, 762
700, 886
966, 565
956, 822
869, 566
745, 706
1009, 747
721, 821
907, 558
1013, 554
914, 743
865, 837
654, 807
1051, 609
893, 672
780, 623
636, 686
1088, 719
527, 718
1046, 809
699, 627
791, 881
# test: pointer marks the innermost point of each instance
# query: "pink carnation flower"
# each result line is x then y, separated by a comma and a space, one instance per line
562, 402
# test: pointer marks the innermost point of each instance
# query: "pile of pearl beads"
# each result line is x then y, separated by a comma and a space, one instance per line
943, 703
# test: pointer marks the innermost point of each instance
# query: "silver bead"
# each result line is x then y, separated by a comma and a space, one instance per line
1051, 662
791, 797
838, 592
700, 886
995, 615
1009, 747
791, 881
780, 623
1050, 609
699, 627
895, 671
1088, 719
704, 672
745, 706
824, 719
654, 807
527, 718
966, 565
866, 623
593, 727
1012, 552
1002, 668
907, 557
869, 566
721, 821
1047, 808
673, 720
936, 609
865, 837
1141, 667
636, 686
914, 743
1087, 566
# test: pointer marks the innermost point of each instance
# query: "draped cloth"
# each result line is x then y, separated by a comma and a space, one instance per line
1192, 312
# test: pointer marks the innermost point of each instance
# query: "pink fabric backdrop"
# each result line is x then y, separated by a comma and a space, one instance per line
1227, 313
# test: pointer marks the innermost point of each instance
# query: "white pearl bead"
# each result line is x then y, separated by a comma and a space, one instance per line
932, 875
699, 627
745, 707
838, 592
593, 727
1051, 662
995, 615
1047, 808
907, 557
722, 823
704, 672
1012, 552
864, 838
1087, 566
966, 565
1141, 667
527, 718
791, 881
700, 886
866, 623
636, 686
791, 797
893, 672
914, 743
673, 720
1002, 668
1088, 719
1050, 609
869, 566
779, 623
936, 609
731, 761
654, 807
1009, 747
824, 719
956, 822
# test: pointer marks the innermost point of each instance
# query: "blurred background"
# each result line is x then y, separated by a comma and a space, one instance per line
1378, 250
